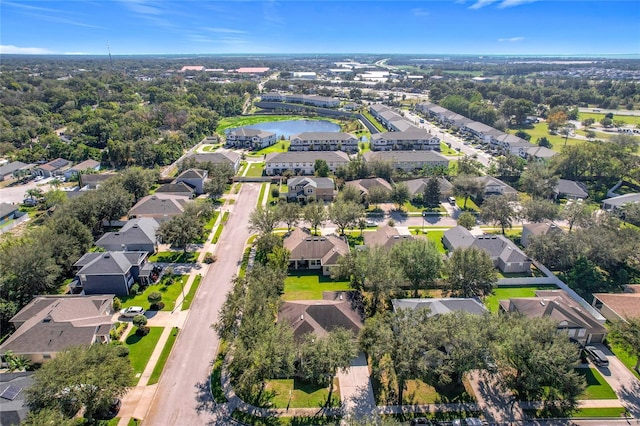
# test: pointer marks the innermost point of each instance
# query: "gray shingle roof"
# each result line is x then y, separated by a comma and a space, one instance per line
176, 188
159, 205
216, 157
498, 246
365, 185
440, 306
307, 156
192, 174
417, 186
621, 200
141, 230
385, 236
109, 263
8, 169
405, 156
6, 208
246, 132
317, 182
458, 237
571, 188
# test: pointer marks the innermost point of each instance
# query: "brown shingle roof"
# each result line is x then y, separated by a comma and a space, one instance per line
626, 305
302, 245
386, 237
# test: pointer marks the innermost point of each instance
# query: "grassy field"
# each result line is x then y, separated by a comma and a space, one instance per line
434, 236
216, 236
279, 146
628, 360
255, 169
162, 360
627, 119
471, 205
500, 293
295, 393
445, 150
192, 293
418, 392
174, 257
599, 412
306, 285
140, 348
540, 130
170, 293
597, 386
271, 200
375, 122
209, 225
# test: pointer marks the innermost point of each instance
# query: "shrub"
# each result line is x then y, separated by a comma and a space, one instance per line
143, 331
391, 222
209, 258
118, 330
117, 304
139, 321
154, 297
157, 306
134, 290
275, 192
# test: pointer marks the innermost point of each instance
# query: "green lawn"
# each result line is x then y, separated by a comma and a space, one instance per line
216, 373
419, 392
192, 292
209, 225
295, 393
249, 419
271, 200
245, 262
446, 150
174, 257
170, 293
500, 293
375, 122
599, 412
140, 348
279, 146
211, 148
306, 285
263, 188
471, 205
627, 119
216, 236
255, 169
434, 236
597, 386
628, 360
540, 130
157, 370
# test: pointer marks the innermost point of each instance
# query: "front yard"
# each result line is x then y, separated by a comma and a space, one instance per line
255, 169
306, 285
169, 286
597, 386
295, 393
418, 392
141, 348
174, 257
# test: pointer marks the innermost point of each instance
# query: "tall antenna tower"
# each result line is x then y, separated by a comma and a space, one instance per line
110, 59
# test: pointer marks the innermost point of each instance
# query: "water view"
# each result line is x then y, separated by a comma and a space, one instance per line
292, 127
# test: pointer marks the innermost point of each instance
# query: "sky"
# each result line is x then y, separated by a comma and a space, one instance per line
499, 27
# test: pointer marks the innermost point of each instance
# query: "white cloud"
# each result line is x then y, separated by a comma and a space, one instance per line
15, 50
418, 11
224, 30
510, 39
511, 3
481, 3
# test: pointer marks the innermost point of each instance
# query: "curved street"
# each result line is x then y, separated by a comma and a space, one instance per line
183, 396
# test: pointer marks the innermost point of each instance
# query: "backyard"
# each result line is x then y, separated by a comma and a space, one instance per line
255, 169
141, 348
434, 236
500, 293
170, 286
309, 285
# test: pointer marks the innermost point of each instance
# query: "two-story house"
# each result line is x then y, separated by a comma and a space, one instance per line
413, 139
303, 162
112, 272
305, 188
324, 141
250, 138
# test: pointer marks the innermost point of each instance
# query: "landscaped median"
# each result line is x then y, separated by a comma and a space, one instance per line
186, 304
164, 356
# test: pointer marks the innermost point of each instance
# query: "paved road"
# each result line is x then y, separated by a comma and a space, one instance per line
613, 111
14, 194
183, 397
622, 381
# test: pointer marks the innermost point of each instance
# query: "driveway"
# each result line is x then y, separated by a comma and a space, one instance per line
622, 381
15, 193
182, 396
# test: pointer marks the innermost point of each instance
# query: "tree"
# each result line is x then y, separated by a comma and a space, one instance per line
469, 166
399, 194
627, 334
556, 119
54, 198
470, 273
90, 377
34, 194
467, 186
538, 180
48, 417
321, 357
181, 230
566, 130
539, 210
498, 209
215, 187
537, 363
137, 181
378, 194
585, 278
289, 213
315, 214
263, 220
321, 168
345, 214
419, 260
467, 219
113, 202
350, 193
139, 321
631, 213
431, 196
544, 142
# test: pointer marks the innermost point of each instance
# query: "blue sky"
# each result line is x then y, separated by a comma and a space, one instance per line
218, 27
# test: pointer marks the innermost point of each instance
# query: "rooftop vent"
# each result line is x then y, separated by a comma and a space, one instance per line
542, 302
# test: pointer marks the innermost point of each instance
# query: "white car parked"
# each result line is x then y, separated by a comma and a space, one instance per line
132, 311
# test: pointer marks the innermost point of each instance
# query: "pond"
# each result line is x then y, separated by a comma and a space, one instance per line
292, 127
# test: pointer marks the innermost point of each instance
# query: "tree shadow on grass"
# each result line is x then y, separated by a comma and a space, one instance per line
133, 339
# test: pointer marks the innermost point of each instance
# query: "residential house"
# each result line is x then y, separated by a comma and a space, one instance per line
335, 310
50, 324
14, 411
617, 203
303, 162
414, 139
87, 165
504, 253
442, 306
195, 178
161, 206
391, 119
418, 186
571, 317
219, 157
324, 141
493, 186
537, 228
314, 100
540, 153
619, 306
273, 97
250, 138
176, 188
53, 168
386, 237
136, 235
112, 272
317, 188
93, 181
365, 185
509, 144
570, 189
314, 252
408, 161
15, 169
7, 212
